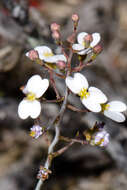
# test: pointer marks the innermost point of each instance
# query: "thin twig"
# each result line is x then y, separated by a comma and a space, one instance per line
54, 84
67, 139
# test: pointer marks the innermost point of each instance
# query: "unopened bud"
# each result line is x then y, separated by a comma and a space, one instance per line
55, 27
97, 49
56, 35
88, 38
75, 18
33, 55
61, 65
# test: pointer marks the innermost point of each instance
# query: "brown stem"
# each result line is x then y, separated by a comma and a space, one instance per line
67, 139
53, 84
73, 108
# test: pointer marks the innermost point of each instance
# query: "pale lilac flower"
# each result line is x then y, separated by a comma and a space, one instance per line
36, 131
81, 47
113, 110
101, 138
91, 97
34, 89
46, 54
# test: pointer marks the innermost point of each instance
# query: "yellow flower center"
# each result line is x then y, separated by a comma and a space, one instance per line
47, 54
104, 107
32, 133
84, 93
31, 96
86, 45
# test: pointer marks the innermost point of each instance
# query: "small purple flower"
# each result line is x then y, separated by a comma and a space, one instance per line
101, 138
43, 173
36, 131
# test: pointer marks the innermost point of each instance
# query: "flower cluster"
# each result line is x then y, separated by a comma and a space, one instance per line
87, 48
94, 99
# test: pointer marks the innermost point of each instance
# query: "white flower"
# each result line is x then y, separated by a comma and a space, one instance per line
46, 54
34, 89
81, 48
91, 97
113, 110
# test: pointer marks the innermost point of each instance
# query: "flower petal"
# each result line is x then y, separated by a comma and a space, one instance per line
24, 109
80, 37
37, 86
50, 59
85, 51
117, 106
116, 116
98, 95
77, 47
81, 80
96, 39
59, 57
42, 50
35, 109
77, 83
91, 105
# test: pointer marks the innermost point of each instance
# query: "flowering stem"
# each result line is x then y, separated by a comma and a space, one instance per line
54, 84
56, 122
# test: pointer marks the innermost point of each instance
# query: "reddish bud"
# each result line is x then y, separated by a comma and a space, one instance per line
88, 38
61, 65
55, 27
75, 18
56, 35
97, 49
33, 54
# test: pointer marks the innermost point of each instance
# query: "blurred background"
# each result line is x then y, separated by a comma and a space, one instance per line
24, 24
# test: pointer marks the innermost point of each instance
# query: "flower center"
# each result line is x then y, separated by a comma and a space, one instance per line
47, 54
84, 93
31, 96
99, 142
32, 133
86, 44
104, 107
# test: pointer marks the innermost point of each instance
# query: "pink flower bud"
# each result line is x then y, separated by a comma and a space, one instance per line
33, 54
97, 49
56, 35
75, 18
61, 65
55, 27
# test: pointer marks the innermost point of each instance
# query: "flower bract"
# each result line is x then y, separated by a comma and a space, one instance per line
34, 89
91, 97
